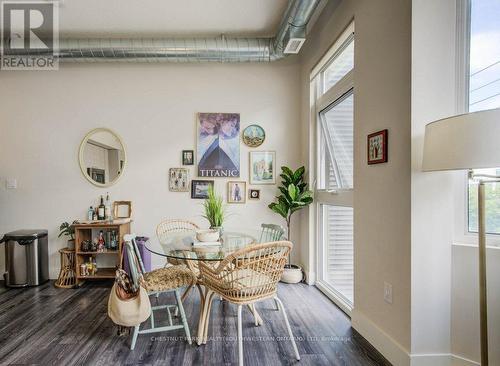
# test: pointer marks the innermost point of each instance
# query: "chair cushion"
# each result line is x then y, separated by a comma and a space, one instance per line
168, 278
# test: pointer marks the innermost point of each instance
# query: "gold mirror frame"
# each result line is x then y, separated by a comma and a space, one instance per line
82, 164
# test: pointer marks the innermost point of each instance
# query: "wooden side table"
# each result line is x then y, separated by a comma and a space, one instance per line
67, 275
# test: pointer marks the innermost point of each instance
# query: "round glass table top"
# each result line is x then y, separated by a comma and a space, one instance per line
185, 246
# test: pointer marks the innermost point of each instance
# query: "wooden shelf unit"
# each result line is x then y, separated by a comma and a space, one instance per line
84, 232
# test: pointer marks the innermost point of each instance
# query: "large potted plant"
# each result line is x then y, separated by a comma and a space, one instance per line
68, 230
294, 196
214, 209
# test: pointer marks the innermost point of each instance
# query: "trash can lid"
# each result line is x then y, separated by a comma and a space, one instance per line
25, 234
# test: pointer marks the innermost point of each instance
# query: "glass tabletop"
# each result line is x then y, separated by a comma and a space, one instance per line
185, 246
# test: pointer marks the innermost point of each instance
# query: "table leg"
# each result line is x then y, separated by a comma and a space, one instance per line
258, 319
207, 316
204, 296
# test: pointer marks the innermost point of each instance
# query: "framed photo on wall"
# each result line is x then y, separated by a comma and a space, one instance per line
199, 188
254, 194
377, 147
262, 167
187, 157
218, 149
178, 180
236, 192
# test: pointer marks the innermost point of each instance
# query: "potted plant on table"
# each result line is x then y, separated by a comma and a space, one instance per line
215, 210
68, 230
294, 196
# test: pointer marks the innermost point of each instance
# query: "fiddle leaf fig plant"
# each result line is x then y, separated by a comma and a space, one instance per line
294, 196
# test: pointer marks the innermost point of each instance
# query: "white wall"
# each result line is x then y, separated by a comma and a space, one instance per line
45, 115
433, 97
382, 192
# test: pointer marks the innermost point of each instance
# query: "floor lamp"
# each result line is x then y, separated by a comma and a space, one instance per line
466, 142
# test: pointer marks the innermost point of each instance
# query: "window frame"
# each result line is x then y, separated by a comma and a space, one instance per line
462, 234
320, 101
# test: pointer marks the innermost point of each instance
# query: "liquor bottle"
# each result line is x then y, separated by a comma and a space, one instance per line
107, 208
100, 210
94, 215
90, 214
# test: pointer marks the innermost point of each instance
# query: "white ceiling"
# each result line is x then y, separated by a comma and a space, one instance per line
170, 17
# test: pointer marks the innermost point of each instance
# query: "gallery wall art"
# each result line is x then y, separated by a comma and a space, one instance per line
262, 165
236, 192
254, 136
199, 188
218, 149
178, 180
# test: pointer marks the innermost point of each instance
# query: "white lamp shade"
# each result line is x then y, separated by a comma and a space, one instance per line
467, 141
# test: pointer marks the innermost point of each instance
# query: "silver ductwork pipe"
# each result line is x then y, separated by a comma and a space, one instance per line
215, 49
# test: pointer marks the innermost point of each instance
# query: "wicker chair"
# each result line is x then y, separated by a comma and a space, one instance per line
156, 282
173, 226
245, 277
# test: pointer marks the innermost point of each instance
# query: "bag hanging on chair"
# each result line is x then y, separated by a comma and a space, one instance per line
127, 305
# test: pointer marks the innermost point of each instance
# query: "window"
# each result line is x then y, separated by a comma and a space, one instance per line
332, 90
484, 93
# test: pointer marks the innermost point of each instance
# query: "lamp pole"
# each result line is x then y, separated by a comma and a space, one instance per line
482, 179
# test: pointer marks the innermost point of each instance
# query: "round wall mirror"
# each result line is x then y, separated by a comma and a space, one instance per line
102, 157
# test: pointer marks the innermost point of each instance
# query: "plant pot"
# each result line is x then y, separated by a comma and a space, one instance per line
71, 244
292, 274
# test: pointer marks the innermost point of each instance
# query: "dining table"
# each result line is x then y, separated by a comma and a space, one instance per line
184, 248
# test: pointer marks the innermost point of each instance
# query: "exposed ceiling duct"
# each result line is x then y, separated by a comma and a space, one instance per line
288, 39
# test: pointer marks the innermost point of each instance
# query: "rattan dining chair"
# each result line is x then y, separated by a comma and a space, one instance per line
176, 226
246, 277
159, 281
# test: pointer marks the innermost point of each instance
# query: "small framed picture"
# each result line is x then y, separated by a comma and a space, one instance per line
187, 157
236, 191
254, 136
199, 188
377, 147
262, 167
178, 180
254, 194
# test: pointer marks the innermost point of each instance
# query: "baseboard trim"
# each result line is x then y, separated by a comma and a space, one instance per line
394, 352
462, 361
310, 278
436, 359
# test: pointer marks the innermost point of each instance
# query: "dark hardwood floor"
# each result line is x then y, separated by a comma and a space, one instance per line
50, 326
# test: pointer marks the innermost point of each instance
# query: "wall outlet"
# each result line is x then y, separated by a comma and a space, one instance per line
11, 183
388, 292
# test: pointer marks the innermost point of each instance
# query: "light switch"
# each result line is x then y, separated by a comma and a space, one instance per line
11, 183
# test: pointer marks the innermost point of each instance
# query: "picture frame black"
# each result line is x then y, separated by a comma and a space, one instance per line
199, 188
187, 157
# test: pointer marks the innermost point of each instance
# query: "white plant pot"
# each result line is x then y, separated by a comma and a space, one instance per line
292, 274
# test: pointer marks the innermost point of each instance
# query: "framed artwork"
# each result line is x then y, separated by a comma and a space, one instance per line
254, 194
187, 157
122, 209
199, 188
178, 180
262, 167
254, 136
236, 192
218, 148
377, 147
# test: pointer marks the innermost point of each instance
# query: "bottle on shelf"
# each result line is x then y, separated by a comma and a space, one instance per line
90, 214
101, 242
94, 215
107, 208
100, 210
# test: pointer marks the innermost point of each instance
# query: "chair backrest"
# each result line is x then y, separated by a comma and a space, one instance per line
135, 263
174, 226
249, 274
271, 232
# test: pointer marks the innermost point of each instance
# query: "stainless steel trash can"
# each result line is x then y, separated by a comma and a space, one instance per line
26, 258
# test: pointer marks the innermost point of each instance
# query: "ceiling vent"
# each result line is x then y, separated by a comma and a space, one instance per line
294, 39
